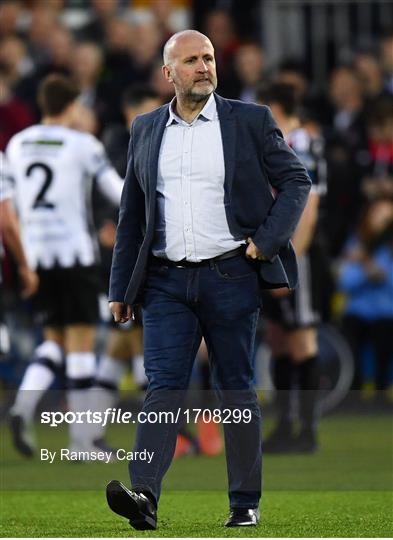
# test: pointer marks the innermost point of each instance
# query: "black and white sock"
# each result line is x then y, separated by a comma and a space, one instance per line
80, 371
47, 362
105, 393
308, 377
283, 380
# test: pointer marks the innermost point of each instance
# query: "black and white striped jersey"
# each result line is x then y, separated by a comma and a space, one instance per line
310, 151
52, 169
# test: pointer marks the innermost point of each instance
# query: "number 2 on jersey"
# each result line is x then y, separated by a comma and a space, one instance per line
40, 201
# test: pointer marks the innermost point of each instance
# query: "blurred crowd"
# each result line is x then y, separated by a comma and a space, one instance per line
113, 50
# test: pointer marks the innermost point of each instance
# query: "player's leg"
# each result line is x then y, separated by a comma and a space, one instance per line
138, 365
111, 368
80, 314
304, 352
382, 332
47, 362
80, 373
303, 346
281, 437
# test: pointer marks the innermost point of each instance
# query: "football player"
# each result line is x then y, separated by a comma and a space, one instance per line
53, 166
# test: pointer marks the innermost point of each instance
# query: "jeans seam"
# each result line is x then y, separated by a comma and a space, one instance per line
168, 429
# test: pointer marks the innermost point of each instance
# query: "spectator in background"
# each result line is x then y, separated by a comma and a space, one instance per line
292, 72
345, 92
15, 58
14, 114
101, 12
137, 99
366, 277
42, 22
88, 71
162, 11
249, 66
220, 28
379, 179
387, 59
119, 71
146, 49
161, 86
132, 51
87, 66
54, 56
370, 75
347, 153
10, 13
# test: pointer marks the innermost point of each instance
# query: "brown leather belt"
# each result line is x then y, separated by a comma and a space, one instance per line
158, 261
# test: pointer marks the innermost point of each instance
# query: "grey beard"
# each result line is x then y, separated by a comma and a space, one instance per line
194, 97
197, 98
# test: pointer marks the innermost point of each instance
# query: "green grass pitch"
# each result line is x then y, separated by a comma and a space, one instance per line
343, 490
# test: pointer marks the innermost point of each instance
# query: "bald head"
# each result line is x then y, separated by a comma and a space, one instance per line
190, 66
175, 42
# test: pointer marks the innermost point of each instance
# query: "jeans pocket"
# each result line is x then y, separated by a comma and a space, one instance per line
235, 269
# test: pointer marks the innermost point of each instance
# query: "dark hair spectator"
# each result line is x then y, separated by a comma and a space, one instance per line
220, 28
15, 115
284, 94
136, 99
10, 13
369, 72
249, 66
387, 59
378, 180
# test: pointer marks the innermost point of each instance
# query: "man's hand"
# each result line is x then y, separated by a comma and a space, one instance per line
281, 292
121, 311
107, 234
252, 252
29, 280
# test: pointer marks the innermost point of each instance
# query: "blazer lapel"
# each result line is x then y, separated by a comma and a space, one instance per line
228, 135
154, 151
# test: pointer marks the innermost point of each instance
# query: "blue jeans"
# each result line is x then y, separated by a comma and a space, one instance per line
180, 305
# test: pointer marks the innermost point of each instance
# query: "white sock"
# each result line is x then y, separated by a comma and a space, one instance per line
37, 378
105, 393
80, 370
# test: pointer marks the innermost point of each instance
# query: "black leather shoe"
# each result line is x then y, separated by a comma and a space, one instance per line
136, 507
243, 517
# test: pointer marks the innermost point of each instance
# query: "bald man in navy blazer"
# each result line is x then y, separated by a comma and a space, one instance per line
211, 198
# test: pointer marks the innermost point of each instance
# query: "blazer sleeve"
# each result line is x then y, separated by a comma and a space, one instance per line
129, 230
292, 184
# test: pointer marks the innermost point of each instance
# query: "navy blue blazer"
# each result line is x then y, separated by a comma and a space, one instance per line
256, 159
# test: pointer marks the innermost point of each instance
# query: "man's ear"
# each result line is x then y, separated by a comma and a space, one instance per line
167, 73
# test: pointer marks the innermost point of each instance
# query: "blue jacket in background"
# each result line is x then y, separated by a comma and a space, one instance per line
368, 299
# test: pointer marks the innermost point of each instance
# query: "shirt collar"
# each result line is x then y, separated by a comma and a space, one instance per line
208, 112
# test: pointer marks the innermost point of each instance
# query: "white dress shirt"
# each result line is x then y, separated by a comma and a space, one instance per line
190, 214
